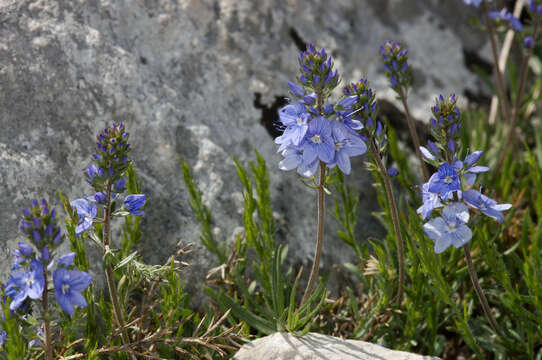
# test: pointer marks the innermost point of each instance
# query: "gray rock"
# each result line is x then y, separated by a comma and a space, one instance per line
313, 346
193, 78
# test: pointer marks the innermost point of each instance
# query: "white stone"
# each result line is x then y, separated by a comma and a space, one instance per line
313, 346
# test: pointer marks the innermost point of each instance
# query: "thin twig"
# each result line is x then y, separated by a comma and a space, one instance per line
414, 135
480, 292
319, 234
394, 218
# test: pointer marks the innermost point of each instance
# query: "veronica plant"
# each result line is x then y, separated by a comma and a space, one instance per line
395, 58
106, 175
318, 134
451, 189
34, 269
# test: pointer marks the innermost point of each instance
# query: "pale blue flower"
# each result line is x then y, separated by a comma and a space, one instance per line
450, 229
486, 205
68, 287
86, 211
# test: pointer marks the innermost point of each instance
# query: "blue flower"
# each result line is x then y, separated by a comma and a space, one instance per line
295, 117
445, 181
450, 229
68, 286
430, 200
393, 172
319, 143
26, 284
66, 260
505, 15
471, 170
134, 203
486, 205
86, 210
346, 145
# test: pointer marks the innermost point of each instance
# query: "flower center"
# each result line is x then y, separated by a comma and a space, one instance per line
448, 179
317, 139
65, 288
483, 206
30, 280
451, 227
299, 121
339, 145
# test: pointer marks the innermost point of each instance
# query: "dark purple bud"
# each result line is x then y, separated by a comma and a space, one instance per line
100, 197
35, 203
378, 128
451, 145
539, 9
308, 99
26, 212
53, 214
296, 89
37, 222
328, 62
310, 48
49, 230
404, 68
529, 42
120, 185
394, 64
45, 254
303, 79
57, 238
36, 236
393, 172
441, 98
316, 80
25, 249
432, 147
454, 128
434, 122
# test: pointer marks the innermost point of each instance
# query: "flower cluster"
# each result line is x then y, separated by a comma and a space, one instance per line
395, 58
34, 262
107, 176
451, 186
317, 69
314, 130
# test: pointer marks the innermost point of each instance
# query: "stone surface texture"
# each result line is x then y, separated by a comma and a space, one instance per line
313, 346
195, 78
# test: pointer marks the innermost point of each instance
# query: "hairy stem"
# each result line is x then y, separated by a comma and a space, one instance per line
414, 135
517, 107
47, 323
394, 218
501, 89
319, 234
480, 292
109, 273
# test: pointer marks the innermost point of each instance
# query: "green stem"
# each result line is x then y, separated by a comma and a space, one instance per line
47, 324
480, 292
414, 135
109, 273
517, 107
394, 218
